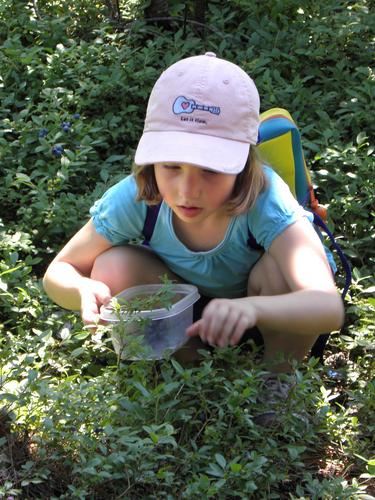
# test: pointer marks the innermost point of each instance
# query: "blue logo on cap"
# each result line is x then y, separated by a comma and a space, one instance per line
184, 105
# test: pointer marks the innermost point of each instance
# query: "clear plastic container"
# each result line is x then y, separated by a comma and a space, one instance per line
160, 329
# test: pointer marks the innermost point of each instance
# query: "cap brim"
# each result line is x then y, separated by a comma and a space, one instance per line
214, 153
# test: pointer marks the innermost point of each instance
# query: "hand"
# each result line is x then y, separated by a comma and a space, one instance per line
224, 321
93, 294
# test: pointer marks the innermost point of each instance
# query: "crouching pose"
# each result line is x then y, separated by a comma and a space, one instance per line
196, 163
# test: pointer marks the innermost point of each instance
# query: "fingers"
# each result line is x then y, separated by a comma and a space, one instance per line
102, 293
89, 311
223, 323
93, 296
194, 329
240, 328
221, 328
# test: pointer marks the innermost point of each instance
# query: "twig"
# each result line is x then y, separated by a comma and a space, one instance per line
36, 10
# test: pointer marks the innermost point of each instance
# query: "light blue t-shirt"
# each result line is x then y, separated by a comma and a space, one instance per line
220, 272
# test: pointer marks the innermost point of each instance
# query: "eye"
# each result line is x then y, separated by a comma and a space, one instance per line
171, 167
210, 172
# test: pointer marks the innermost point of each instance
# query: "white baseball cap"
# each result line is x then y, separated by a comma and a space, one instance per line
204, 111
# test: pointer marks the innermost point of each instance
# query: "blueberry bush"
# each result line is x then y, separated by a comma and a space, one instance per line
76, 423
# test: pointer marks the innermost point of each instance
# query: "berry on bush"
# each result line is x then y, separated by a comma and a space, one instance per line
57, 149
66, 126
42, 133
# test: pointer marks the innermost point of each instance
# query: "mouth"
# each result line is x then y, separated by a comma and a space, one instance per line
189, 211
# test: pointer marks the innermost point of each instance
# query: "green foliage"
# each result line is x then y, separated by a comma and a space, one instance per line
74, 423
129, 330
147, 427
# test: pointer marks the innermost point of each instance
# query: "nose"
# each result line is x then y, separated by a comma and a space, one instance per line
190, 187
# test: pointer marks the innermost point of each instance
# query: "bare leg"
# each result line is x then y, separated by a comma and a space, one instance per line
267, 279
130, 265
125, 266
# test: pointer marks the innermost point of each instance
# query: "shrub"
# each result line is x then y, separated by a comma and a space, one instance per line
76, 424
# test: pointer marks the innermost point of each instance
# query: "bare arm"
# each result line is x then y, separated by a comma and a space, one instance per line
67, 279
313, 305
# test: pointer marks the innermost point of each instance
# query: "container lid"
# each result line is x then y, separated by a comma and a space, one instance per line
189, 295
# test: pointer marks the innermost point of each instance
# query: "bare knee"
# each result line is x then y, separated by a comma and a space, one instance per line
125, 266
266, 278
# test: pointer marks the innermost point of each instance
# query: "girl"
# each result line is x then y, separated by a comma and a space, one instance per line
196, 158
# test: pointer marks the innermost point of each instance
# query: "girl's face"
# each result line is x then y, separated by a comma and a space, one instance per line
193, 193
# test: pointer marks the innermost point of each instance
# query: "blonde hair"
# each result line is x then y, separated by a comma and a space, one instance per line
249, 184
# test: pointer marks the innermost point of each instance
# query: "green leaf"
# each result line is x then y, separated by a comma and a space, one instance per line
32, 375
3, 285
179, 369
214, 470
8, 271
295, 451
104, 175
82, 335
65, 333
234, 467
69, 154
23, 179
77, 352
371, 467
220, 460
48, 423
154, 437
7, 396
142, 389
115, 158
361, 138
219, 484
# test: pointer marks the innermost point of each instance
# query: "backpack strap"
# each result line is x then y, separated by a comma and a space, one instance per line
150, 221
317, 349
344, 261
252, 242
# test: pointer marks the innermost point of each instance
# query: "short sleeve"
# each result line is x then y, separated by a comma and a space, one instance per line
117, 216
274, 210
